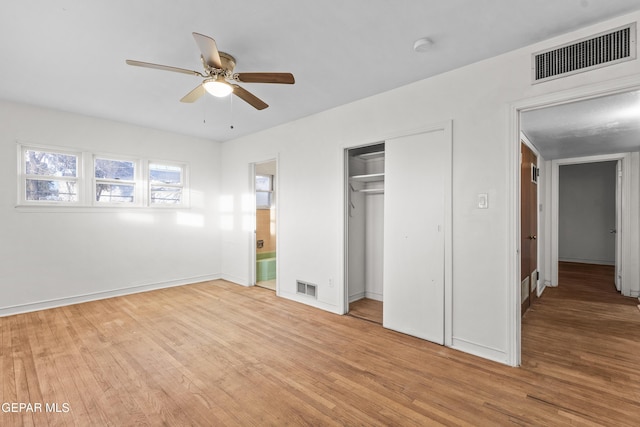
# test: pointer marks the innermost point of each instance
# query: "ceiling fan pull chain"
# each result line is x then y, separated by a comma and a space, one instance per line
204, 113
231, 118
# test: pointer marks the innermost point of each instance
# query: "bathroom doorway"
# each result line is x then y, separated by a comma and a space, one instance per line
265, 235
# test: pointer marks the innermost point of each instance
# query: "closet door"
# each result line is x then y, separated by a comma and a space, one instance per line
414, 245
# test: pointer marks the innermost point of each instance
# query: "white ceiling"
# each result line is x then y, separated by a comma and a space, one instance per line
604, 125
70, 54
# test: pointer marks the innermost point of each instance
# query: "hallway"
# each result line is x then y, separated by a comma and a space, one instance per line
585, 334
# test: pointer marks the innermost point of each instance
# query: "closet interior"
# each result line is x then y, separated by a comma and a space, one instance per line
365, 227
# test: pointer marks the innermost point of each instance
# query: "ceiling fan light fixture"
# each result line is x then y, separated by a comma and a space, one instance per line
217, 87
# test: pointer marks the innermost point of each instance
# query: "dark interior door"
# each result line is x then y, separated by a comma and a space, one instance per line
528, 226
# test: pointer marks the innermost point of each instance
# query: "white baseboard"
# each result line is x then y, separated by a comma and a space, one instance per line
356, 297
234, 279
94, 296
587, 261
541, 289
311, 302
480, 350
374, 296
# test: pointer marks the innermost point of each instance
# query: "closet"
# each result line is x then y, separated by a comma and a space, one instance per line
365, 223
398, 231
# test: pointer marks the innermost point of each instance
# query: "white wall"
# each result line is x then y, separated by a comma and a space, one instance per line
60, 256
477, 98
374, 244
358, 214
374, 250
587, 213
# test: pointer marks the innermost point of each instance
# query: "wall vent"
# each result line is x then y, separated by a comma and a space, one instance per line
601, 50
524, 289
305, 288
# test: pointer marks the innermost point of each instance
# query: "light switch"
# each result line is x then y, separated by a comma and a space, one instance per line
483, 201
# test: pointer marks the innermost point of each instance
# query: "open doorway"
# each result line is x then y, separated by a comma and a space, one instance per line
265, 241
587, 217
600, 128
365, 231
590, 215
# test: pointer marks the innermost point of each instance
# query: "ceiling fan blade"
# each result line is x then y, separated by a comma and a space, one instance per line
194, 95
249, 98
283, 78
209, 50
163, 67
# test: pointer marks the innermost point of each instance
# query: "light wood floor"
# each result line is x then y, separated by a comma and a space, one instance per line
367, 309
268, 284
220, 354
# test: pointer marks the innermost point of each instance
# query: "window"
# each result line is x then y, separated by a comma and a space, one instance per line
115, 180
166, 184
50, 176
264, 191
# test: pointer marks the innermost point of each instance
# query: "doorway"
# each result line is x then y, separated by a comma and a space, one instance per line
612, 136
265, 176
596, 192
587, 214
408, 188
365, 231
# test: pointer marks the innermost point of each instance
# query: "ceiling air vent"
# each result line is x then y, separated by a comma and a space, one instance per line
601, 50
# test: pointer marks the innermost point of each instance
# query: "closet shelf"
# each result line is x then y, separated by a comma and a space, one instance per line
371, 190
373, 155
368, 177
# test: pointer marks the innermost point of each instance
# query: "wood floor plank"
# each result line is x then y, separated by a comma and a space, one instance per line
216, 353
367, 309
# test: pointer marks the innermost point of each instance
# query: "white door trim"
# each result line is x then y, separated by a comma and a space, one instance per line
513, 320
619, 189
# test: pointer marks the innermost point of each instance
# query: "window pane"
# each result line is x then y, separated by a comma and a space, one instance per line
114, 169
166, 195
55, 191
114, 193
163, 174
52, 164
263, 199
263, 183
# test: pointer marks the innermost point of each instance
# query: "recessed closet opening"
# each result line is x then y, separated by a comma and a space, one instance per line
397, 222
365, 231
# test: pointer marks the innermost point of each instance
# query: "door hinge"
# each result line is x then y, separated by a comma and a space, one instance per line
537, 275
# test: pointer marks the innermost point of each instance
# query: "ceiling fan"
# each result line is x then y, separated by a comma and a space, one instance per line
219, 78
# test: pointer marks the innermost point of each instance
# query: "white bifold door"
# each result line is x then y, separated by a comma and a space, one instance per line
414, 234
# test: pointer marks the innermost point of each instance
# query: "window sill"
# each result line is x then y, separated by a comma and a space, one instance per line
95, 209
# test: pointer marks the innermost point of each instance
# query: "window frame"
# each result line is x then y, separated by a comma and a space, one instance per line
183, 186
138, 197
86, 181
23, 176
270, 192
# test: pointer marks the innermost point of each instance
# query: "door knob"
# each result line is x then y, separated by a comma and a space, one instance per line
534, 237
613, 231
